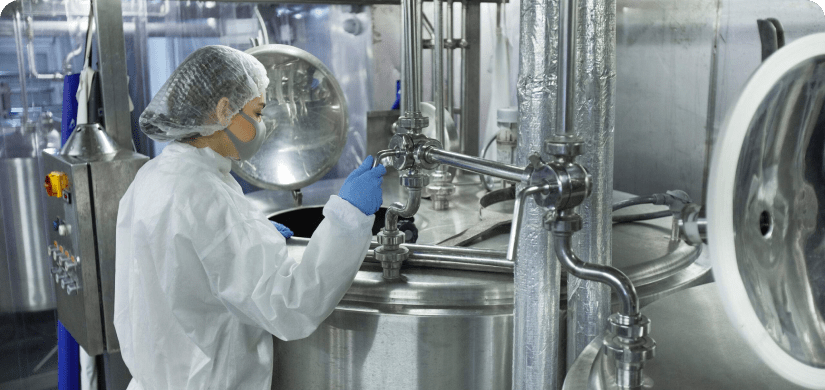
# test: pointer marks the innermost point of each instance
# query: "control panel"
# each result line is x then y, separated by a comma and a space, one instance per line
81, 207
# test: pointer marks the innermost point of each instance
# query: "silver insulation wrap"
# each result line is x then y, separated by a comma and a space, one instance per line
588, 302
536, 340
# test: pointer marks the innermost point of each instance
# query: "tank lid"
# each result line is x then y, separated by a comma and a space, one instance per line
766, 212
432, 287
306, 120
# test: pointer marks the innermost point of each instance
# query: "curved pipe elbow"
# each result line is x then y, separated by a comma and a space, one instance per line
614, 278
397, 209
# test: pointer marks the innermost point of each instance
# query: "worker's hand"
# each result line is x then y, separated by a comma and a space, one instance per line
283, 229
363, 187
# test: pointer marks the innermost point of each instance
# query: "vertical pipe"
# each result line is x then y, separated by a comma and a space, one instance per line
473, 76
449, 59
462, 136
419, 49
21, 66
536, 340
589, 302
407, 55
567, 66
438, 69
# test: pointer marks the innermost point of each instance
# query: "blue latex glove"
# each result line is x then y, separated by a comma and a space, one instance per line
363, 187
283, 229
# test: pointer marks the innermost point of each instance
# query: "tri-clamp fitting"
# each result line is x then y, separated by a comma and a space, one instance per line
626, 341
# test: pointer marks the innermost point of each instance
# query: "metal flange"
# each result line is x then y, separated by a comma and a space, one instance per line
564, 147
413, 123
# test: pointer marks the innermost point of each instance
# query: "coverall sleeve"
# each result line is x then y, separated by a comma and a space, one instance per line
251, 273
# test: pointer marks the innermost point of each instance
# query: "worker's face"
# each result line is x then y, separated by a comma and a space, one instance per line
240, 127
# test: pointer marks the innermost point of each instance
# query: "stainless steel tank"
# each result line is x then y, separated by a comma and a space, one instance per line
24, 269
436, 328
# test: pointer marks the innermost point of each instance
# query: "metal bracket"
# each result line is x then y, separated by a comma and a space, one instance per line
772, 36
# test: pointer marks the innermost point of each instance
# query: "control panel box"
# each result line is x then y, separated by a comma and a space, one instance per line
81, 208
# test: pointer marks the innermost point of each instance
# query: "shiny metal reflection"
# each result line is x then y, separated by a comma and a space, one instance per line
306, 120
779, 212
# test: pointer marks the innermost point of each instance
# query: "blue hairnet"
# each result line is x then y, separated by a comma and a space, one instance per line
185, 106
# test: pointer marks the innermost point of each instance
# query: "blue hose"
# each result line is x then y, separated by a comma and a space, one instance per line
68, 360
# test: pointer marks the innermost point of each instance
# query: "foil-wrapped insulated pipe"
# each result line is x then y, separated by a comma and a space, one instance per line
588, 302
536, 324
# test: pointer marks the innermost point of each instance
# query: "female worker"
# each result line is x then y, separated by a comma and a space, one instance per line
202, 277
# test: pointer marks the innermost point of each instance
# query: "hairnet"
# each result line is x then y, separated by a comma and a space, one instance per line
186, 104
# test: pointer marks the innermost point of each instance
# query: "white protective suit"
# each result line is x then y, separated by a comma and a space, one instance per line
203, 278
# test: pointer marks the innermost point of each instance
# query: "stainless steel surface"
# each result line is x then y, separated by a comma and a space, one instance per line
410, 53
450, 45
697, 349
738, 48
89, 141
450, 135
681, 67
517, 222
374, 345
593, 115
21, 68
779, 191
470, 77
306, 119
538, 362
438, 71
90, 212
24, 270
434, 329
477, 165
112, 57
610, 276
764, 212
567, 64
110, 180
80, 313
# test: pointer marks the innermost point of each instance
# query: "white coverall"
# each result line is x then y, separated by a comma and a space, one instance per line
203, 278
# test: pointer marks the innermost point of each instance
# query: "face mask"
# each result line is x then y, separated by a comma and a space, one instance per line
248, 149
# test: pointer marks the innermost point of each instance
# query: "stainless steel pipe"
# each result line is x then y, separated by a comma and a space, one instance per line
410, 92
477, 165
515, 226
18, 44
402, 210
449, 60
610, 276
566, 105
438, 70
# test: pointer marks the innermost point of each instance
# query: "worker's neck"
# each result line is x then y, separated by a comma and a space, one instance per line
219, 142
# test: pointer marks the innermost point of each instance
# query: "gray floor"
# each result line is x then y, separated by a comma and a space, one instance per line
28, 359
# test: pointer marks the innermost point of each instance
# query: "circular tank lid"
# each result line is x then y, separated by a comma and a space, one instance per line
306, 120
766, 212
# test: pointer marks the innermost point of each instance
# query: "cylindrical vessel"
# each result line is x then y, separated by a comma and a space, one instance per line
594, 55
24, 268
433, 329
